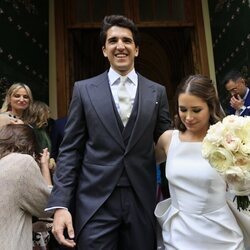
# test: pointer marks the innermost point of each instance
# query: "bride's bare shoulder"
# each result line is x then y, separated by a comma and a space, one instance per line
167, 134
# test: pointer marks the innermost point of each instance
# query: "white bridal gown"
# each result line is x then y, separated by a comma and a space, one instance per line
197, 217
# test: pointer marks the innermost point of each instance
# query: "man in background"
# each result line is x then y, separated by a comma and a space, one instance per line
236, 85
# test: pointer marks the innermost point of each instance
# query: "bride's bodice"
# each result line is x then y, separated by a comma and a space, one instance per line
197, 215
195, 186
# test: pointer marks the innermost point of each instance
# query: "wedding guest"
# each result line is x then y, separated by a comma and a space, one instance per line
38, 119
25, 185
5, 119
17, 102
236, 86
197, 215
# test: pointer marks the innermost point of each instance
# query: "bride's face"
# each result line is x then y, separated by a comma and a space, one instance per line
194, 112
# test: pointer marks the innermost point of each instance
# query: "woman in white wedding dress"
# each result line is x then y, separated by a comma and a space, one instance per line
197, 216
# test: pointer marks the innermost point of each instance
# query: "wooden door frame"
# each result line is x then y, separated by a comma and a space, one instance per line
64, 22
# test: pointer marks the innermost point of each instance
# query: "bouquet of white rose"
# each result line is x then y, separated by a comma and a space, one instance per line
227, 148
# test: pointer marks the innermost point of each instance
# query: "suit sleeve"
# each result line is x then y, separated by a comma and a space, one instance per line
163, 119
71, 153
246, 112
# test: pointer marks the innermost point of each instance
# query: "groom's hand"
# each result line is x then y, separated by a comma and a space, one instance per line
62, 221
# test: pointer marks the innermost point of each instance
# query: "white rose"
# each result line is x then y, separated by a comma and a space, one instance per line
238, 180
207, 147
244, 132
231, 142
245, 149
215, 133
241, 160
220, 159
233, 122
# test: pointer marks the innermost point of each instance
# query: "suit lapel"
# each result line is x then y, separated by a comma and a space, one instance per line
101, 98
146, 107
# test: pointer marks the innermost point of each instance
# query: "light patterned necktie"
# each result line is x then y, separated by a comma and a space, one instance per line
124, 100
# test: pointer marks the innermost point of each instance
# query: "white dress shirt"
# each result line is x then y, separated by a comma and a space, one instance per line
131, 85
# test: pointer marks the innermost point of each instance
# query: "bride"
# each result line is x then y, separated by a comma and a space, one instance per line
197, 216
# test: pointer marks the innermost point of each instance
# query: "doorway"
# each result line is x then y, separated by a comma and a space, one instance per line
173, 46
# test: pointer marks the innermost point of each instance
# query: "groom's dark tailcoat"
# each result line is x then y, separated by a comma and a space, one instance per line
95, 150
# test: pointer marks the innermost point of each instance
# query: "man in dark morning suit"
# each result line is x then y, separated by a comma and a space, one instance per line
110, 166
235, 84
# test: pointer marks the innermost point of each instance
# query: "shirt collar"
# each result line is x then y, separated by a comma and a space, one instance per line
114, 76
245, 96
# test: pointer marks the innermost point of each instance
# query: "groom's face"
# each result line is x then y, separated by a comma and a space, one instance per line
120, 49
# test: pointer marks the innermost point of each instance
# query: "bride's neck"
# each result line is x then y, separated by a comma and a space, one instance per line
187, 136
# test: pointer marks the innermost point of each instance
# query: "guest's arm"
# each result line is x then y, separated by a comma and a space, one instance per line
33, 191
45, 166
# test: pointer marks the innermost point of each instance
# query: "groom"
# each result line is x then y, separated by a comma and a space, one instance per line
108, 165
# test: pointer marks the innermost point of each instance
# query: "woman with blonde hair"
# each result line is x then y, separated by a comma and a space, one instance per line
17, 102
